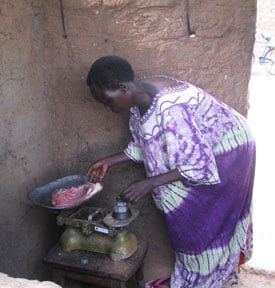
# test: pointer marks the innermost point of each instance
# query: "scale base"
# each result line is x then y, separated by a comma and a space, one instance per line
119, 247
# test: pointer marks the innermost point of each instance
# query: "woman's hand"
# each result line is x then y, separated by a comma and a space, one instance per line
137, 190
98, 170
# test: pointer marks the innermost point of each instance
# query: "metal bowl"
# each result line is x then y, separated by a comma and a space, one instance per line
42, 196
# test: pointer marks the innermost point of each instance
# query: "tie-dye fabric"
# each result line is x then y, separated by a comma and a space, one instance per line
208, 214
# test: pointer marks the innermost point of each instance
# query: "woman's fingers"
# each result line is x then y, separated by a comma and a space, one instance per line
103, 171
137, 190
130, 195
97, 172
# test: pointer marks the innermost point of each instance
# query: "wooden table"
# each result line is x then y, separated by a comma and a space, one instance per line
95, 268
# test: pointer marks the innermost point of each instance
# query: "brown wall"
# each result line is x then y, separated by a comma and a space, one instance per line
49, 125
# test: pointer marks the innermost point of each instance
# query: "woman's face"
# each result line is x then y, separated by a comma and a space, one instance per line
118, 100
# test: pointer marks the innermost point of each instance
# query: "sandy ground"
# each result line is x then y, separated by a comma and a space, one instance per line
250, 278
260, 270
262, 118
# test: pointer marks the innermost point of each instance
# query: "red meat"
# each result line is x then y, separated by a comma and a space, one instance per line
68, 197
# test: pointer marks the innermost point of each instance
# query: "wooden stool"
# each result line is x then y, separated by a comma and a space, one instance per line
95, 268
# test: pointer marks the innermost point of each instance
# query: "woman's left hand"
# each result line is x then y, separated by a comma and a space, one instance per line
137, 190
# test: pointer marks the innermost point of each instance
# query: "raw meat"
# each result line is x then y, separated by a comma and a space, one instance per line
68, 197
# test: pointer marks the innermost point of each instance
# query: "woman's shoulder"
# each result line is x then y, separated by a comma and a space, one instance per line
184, 93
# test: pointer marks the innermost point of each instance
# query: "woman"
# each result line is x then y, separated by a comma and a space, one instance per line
199, 158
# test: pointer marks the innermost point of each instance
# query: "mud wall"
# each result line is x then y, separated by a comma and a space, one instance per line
49, 125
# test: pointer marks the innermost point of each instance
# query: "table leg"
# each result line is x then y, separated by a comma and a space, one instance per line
139, 275
58, 278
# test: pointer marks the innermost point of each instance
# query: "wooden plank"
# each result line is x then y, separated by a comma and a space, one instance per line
102, 282
99, 265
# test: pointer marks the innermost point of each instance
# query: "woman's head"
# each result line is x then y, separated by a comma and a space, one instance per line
108, 72
109, 80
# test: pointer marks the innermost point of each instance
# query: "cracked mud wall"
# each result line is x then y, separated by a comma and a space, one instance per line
51, 127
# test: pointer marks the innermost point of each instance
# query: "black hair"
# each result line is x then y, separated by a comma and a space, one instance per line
109, 71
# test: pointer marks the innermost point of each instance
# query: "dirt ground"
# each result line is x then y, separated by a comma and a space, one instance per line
260, 270
248, 278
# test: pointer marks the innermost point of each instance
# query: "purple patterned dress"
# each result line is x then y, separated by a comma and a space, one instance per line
208, 214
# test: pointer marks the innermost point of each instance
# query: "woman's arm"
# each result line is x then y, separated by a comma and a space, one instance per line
166, 178
116, 159
98, 170
139, 189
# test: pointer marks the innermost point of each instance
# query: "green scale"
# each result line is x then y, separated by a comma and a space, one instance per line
100, 230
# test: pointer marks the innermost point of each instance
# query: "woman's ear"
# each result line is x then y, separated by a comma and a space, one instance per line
122, 87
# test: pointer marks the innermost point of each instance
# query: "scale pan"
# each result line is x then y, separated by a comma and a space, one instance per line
42, 196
